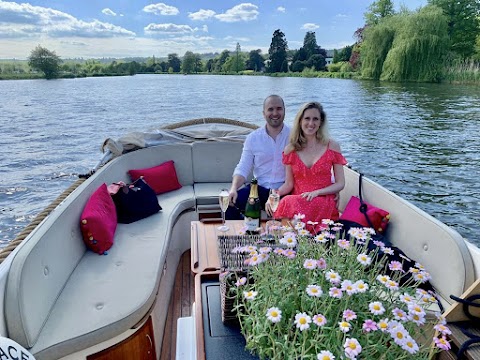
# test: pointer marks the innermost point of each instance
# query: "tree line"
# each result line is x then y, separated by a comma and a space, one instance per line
420, 45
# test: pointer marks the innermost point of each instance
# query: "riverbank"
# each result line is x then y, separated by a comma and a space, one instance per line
456, 75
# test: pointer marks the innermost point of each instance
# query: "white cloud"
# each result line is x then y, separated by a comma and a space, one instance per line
161, 9
201, 15
205, 28
241, 12
281, 9
309, 27
109, 12
235, 38
341, 16
25, 20
168, 29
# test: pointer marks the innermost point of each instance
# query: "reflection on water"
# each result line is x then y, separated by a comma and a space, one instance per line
418, 140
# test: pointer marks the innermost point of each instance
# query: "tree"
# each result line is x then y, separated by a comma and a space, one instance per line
221, 59
174, 63
406, 47
189, 63
255, 61
310, 45
46, 61
316, 62
277, 52
379, 9
239, 63
463, 24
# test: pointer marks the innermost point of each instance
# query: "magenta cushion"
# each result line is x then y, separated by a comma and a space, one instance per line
161, 178
377, 216
99, 221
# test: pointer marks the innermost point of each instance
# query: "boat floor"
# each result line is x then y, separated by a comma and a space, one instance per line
181, 301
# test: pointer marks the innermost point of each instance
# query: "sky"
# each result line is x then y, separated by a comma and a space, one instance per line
138, 28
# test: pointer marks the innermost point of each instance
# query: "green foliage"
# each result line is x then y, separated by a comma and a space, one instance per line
343, 55
406, 47
191, 63
174, 63
291, 302
463, 72
334, 67
255, 61
310, 55
46, 61
379, 10
418, 50
346, 67
463, 24
278, 53
375, 47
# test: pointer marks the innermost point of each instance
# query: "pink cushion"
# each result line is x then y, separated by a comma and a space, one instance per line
99, 221
378, 217
161, 178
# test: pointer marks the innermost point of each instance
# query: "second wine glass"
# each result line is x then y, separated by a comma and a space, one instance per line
223, 200
274, 200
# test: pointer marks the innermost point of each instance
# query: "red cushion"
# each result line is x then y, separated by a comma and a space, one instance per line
161, 178
378, 217
99, 221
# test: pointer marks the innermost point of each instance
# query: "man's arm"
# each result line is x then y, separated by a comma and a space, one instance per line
238, 180
242, 169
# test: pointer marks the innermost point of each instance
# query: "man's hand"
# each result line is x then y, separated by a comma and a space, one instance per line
268, 209
232, 195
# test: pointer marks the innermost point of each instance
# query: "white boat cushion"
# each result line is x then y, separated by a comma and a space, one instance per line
207, 193
439, 248
215, 161
82, 317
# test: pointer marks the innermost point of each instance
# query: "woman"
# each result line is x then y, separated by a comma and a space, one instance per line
309, 159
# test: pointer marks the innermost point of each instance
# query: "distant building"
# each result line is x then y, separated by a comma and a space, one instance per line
329, 58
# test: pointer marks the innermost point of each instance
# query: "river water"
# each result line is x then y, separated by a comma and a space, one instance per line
419, 140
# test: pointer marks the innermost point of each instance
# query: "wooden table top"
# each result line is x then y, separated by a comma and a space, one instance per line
204, 244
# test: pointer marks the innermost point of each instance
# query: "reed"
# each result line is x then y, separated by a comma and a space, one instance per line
463, 72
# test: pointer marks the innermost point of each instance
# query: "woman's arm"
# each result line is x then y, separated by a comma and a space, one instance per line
287, 186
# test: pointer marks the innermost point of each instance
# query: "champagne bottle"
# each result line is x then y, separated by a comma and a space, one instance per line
253, 209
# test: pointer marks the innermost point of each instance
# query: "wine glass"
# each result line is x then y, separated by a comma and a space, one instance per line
223, 200
274, 200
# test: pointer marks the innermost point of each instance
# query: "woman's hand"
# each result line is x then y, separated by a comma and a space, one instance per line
310, 195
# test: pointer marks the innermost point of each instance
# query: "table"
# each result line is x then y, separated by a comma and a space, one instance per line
222, 339
204, 253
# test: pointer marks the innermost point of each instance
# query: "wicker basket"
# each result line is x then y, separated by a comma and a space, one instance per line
233, 267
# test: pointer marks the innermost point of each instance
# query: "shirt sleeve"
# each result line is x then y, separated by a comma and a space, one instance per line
245, 165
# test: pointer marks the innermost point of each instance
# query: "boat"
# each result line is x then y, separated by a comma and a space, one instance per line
62, 301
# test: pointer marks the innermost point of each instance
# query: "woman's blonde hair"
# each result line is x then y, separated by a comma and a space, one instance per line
297, 137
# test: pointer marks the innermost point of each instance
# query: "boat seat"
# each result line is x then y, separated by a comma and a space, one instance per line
135, 259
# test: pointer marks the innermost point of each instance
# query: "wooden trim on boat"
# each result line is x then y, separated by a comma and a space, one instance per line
210, 121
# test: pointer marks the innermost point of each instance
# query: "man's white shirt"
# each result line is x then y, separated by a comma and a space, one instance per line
264, 155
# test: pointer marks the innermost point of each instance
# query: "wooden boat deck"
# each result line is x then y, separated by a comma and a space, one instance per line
181, 302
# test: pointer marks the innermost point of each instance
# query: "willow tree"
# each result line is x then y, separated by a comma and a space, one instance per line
406, 46
377, 42
419, 47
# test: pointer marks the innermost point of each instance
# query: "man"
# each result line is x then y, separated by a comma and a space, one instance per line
262, 152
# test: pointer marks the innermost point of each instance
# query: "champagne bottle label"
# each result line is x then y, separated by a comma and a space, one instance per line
251, 224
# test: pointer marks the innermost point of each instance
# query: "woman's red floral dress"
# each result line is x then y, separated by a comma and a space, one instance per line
309, 179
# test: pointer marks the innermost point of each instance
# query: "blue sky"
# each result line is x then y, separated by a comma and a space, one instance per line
122, 28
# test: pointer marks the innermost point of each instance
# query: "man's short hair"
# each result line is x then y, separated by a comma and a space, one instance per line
273, 96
